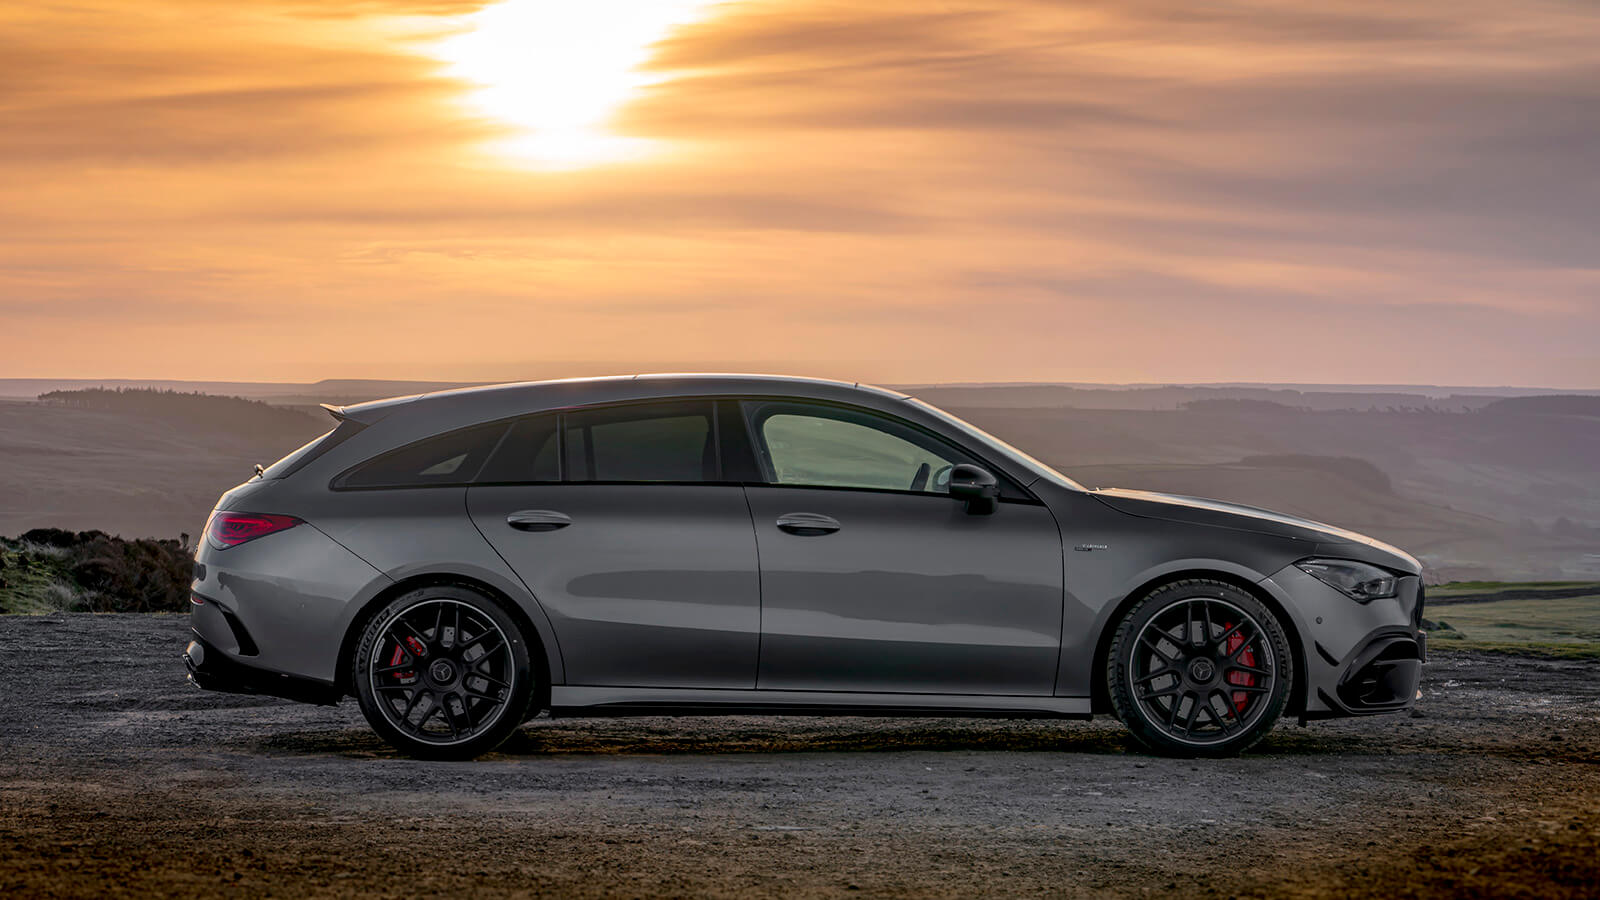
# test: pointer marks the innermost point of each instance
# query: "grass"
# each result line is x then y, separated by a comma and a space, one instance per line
31, 577
1564, 627
1510, 648
53, 570
1464, 588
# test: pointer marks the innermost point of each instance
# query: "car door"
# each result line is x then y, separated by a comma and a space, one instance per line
617, 520
874, 579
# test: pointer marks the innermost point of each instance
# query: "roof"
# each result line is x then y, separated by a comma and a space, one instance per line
533, 396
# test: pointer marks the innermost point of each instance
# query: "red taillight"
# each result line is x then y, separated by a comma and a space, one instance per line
230, 529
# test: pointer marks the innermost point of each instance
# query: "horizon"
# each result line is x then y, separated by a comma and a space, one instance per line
1372, 387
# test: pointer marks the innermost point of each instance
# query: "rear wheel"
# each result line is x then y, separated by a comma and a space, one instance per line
444, 673
1199, 668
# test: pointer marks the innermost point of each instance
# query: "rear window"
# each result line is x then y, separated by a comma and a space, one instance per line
312, 449
449, 459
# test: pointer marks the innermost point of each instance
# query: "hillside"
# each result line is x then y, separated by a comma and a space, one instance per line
1475, 494
134, 473
1508, 490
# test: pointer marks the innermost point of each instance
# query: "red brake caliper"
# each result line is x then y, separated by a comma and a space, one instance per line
1242, 679
417, 652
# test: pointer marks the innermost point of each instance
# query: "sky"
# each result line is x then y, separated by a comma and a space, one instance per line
1142, 191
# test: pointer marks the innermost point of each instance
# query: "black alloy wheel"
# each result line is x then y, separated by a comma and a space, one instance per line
443, 673
1199, 668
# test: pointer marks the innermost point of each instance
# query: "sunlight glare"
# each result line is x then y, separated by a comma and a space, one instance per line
558, 71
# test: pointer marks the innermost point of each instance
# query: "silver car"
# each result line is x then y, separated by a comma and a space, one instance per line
461, 561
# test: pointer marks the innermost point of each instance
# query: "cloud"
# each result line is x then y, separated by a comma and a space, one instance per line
1029, 190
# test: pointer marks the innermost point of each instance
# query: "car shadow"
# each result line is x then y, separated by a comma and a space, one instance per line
738, 735
733, 735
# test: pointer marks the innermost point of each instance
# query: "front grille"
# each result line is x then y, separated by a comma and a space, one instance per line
1416, 613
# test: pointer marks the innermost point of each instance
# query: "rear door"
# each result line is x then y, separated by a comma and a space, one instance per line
621, 523
874, 579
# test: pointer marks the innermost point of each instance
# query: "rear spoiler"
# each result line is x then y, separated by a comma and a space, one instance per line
337, 412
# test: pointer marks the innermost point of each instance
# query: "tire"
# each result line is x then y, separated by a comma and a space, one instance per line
1184, 696
444, 672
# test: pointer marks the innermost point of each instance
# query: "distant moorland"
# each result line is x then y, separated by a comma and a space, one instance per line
1476, 483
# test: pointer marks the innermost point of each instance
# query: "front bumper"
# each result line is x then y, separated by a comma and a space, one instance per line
1380, 676
1360, 659
213, 670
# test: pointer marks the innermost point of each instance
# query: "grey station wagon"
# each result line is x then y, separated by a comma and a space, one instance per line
461, 561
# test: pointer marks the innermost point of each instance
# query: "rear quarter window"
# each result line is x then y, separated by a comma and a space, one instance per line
448, 459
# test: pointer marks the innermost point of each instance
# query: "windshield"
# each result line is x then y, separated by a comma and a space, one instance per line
984, 437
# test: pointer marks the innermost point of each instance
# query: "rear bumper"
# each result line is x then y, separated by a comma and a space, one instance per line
211, 669
281, 603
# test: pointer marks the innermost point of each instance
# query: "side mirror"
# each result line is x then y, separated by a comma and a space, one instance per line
977, 486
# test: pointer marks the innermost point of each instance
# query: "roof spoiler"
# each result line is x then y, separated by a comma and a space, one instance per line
336, 411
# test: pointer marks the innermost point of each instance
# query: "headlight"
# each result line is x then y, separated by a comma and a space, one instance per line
1360, 582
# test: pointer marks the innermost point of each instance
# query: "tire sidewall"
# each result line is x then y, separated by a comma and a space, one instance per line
1132, 713
522, 690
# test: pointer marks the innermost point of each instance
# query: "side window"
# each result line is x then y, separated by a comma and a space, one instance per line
530, 453
820, 446
645, 442
448, 459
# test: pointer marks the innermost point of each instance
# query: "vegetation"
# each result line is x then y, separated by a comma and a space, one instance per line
1551, 626
1465, 588
1556, 404
53, 570
214, 412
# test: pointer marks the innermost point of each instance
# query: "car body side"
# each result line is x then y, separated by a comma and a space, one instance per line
299, 597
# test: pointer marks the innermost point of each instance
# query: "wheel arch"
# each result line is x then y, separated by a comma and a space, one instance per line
352, 636
1100, 698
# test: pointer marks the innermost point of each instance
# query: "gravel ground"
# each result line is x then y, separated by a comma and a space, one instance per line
118, 779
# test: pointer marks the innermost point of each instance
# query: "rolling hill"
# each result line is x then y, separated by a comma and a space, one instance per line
1507, 488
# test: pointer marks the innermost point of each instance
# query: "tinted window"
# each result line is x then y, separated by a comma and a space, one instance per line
314, 448
452, 458
529, 453
825, 447
648, 442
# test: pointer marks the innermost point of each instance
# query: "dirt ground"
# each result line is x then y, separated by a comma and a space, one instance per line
117, 779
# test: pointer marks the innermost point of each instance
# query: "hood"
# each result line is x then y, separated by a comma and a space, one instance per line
1330, 540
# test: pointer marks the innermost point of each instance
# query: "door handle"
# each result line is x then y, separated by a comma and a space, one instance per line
538, 520
808, 524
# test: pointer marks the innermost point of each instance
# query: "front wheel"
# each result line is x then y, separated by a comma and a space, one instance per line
1199, 668
443, 673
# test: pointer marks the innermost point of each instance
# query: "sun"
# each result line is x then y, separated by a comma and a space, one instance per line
557, 70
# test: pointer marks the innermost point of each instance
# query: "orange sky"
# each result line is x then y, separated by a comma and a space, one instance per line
1157, 190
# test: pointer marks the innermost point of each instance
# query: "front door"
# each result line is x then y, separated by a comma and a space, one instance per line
874, 579
644, 564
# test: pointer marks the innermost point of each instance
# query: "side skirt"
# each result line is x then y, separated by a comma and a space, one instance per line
582, 700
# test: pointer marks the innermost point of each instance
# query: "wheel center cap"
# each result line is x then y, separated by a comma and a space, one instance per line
1202, 670
442, 672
